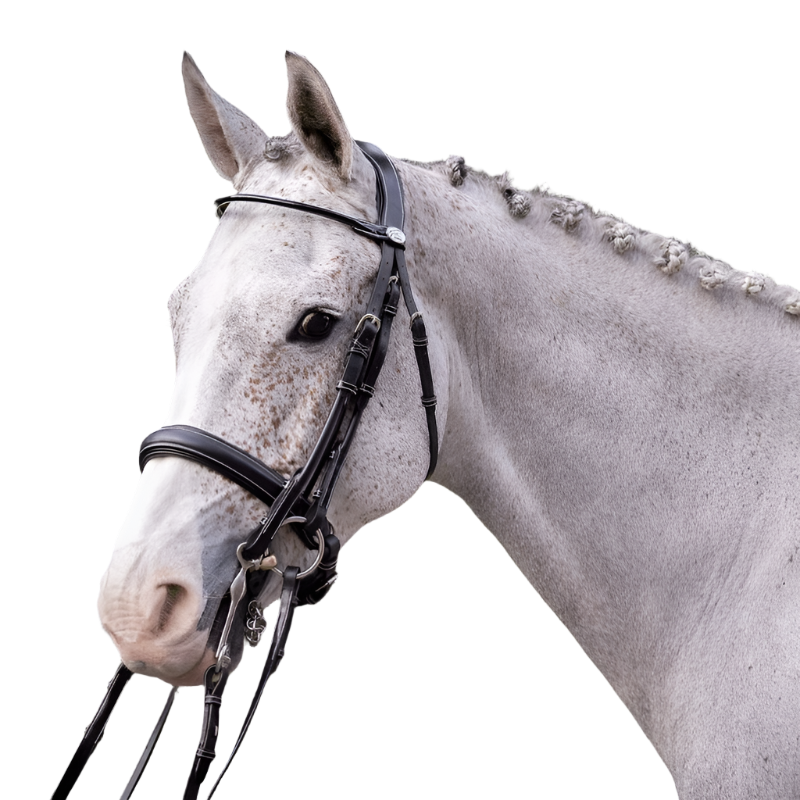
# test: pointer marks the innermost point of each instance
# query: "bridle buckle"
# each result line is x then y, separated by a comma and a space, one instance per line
367, 318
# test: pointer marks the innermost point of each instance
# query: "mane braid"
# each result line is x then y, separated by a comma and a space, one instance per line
667, 255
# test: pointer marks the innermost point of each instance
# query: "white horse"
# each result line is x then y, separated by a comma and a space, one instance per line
621, 411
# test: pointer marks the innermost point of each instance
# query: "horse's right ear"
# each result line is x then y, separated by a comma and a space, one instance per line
232, 140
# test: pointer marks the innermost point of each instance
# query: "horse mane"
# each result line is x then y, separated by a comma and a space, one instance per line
540, 205
666, 254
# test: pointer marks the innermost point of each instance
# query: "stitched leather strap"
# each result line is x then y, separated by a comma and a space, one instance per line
214, 683
217, 454
149, 747
276, 651
304, 480
392, 190
377, 233
94, 733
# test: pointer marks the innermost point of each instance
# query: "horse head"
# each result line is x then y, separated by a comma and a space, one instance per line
260, 330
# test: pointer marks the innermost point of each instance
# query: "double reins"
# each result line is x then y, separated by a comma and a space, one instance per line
303, 499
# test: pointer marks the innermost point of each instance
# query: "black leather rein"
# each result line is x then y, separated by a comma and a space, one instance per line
301, 499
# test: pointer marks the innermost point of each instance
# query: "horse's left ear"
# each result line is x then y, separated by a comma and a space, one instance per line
316, 118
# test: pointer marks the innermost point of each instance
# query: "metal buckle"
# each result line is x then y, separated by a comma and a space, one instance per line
317, 560
238, 590
365, 318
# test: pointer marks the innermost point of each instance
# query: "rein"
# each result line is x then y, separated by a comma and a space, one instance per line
303, 499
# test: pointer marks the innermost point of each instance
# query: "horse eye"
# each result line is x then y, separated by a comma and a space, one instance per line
315, 325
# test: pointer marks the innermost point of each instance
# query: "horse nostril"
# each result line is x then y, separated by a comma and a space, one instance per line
173, 597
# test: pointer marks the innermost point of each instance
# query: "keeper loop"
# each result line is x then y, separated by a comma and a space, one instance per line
347, 387
364, 319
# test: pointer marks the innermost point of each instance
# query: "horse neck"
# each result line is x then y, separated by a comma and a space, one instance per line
609, 423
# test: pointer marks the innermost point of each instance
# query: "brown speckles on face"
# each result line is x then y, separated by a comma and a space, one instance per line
247, 376
291, 408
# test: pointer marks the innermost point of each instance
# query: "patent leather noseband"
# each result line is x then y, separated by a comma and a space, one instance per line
302, 499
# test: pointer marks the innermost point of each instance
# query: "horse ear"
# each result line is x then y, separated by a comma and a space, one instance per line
231, 139
316, 118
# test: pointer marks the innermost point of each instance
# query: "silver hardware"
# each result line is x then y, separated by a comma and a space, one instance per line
370, 317
329, 582
415, 315
317, 560
254, 623
238, 588
223, 659
396, 235
267, 589
292, 520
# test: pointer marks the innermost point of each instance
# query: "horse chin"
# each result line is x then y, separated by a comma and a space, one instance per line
194, 677
184, 662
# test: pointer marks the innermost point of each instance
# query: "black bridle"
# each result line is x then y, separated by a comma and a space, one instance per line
303, 499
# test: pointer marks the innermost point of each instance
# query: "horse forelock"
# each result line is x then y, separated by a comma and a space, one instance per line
666, 256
